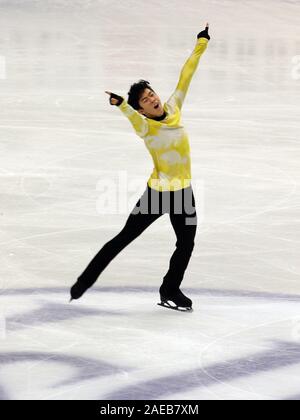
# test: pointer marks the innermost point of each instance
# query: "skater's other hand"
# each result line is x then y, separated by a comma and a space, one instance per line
114, 99
204, 34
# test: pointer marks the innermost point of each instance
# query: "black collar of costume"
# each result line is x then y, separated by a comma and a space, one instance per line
162, 117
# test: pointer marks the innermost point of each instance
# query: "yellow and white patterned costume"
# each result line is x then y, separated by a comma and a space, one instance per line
167, 140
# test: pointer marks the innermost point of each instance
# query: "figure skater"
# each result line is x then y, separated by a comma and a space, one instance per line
169, 189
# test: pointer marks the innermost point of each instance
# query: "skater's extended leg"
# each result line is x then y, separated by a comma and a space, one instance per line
136, 223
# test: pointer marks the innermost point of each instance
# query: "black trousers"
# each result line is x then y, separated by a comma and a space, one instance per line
180, 205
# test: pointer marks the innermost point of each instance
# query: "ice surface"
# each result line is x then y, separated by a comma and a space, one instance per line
60, 138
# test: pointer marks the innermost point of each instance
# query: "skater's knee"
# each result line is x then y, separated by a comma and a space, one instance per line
124, 237
116, 241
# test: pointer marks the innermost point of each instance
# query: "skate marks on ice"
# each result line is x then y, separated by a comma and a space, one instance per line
84, 368
43, 312
121, 290
51, 313
33, 316
282, 354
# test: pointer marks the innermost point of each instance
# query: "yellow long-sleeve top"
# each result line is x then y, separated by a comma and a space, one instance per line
167, 140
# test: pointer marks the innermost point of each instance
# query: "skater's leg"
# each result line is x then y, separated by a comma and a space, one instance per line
136, 223
185, 226
134, 226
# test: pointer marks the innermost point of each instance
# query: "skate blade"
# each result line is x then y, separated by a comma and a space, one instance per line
175, 308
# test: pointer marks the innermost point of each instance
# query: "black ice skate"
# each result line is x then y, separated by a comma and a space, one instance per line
177, 301
78, 289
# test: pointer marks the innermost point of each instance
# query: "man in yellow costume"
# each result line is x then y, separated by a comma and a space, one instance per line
169, 188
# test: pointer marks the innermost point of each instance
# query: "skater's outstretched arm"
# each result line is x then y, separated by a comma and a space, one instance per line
190, 67
138, 122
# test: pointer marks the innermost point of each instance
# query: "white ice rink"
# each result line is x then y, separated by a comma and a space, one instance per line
59, 139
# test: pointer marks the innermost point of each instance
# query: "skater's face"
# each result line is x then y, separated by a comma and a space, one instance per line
150, 104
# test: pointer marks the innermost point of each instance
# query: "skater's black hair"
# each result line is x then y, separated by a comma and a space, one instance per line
135, 92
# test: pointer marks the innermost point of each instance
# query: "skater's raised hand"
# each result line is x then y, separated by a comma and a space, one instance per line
114, 99
204, 34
